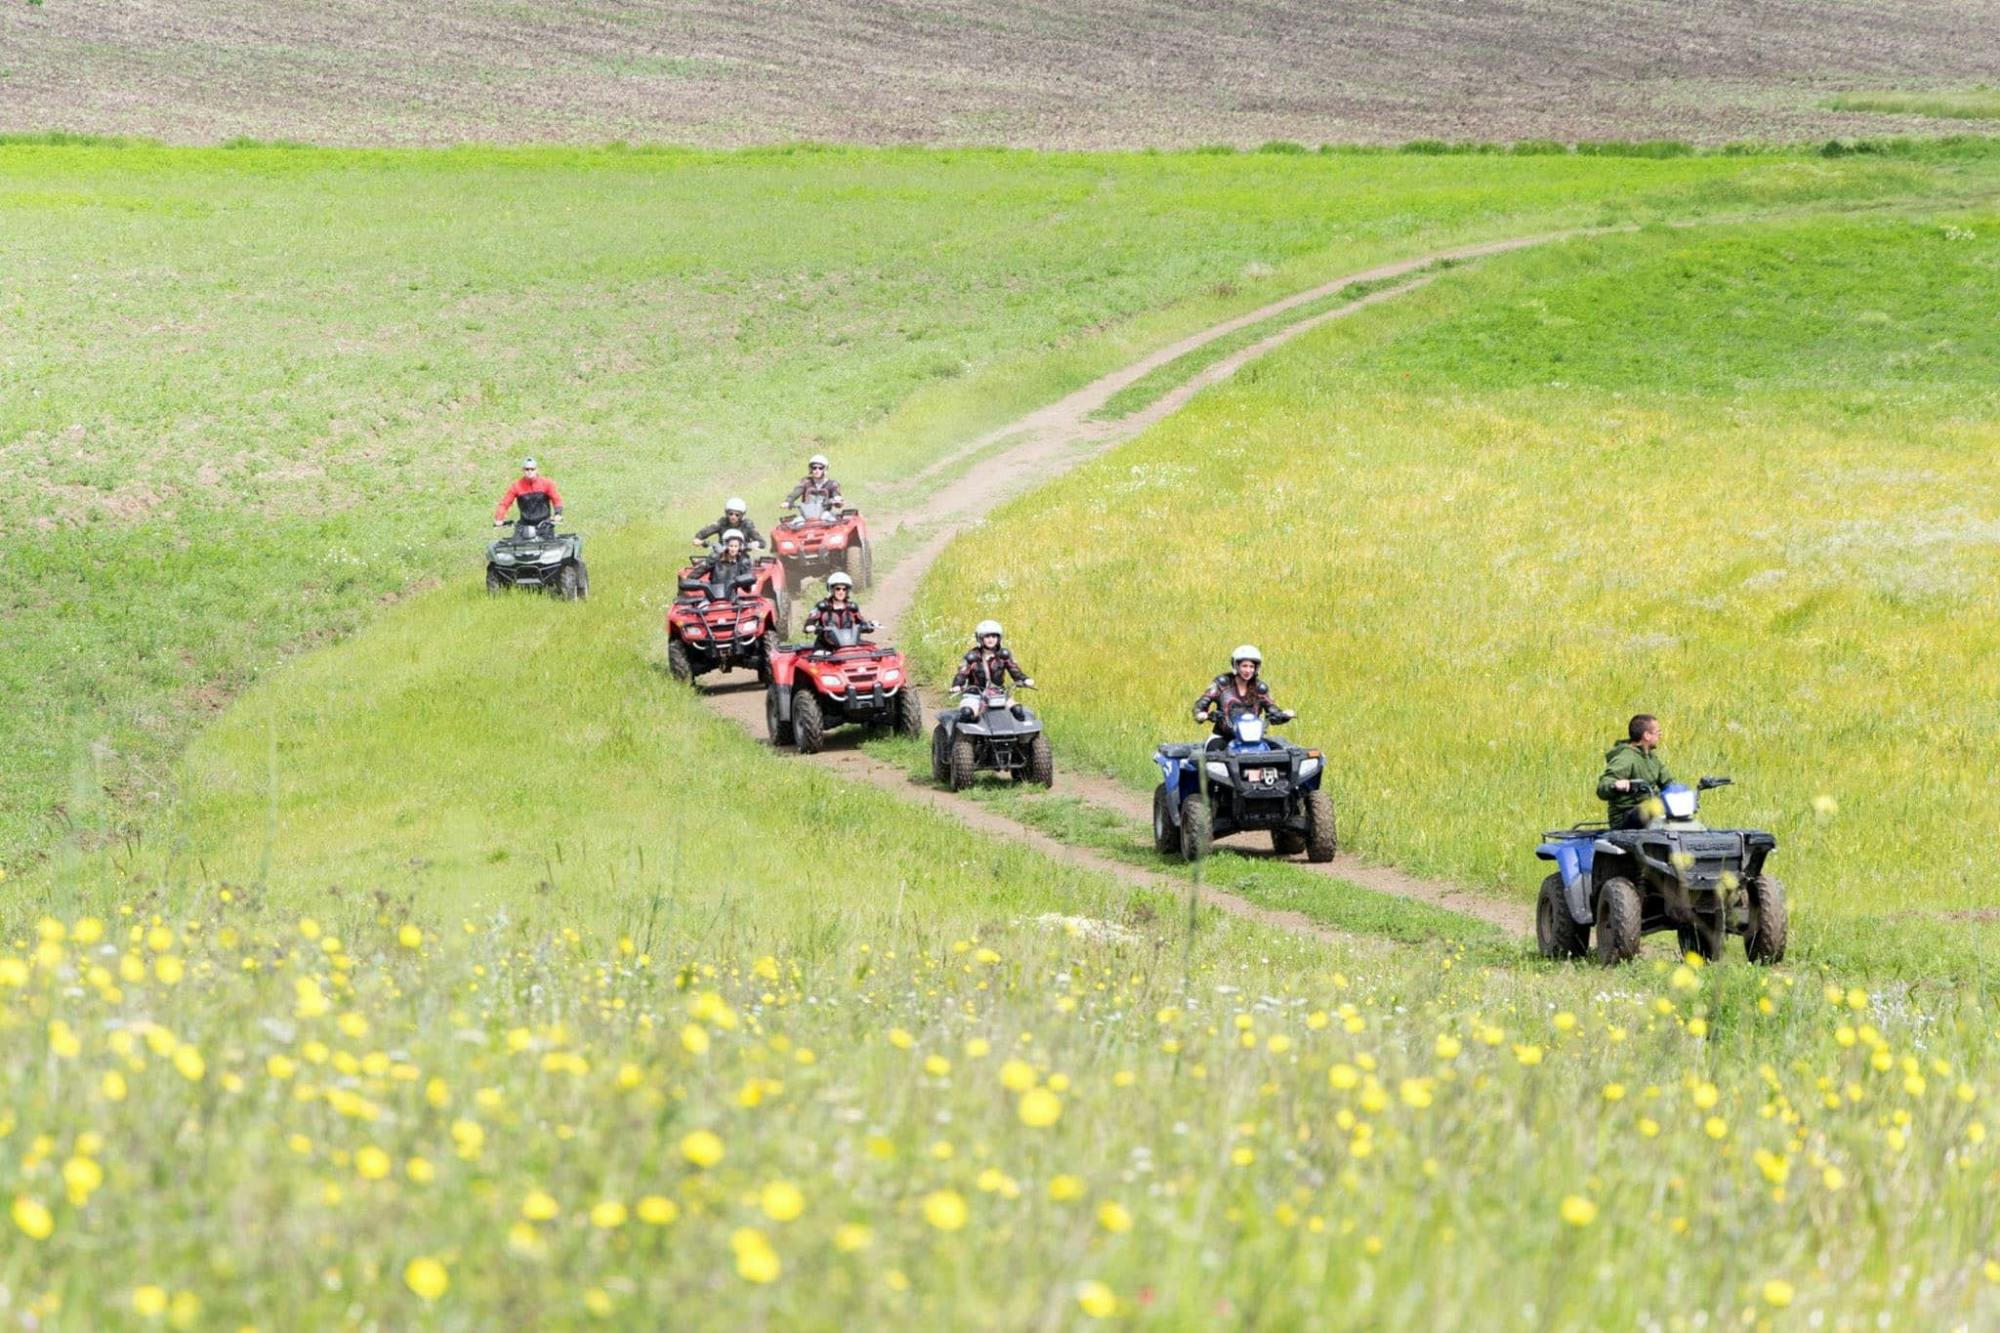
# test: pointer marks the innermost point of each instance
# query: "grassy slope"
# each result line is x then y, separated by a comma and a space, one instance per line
1257, 1127
1736, 477
1959, 104
256, 392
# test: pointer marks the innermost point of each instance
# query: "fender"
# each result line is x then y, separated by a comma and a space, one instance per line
1573, 860
1170, 778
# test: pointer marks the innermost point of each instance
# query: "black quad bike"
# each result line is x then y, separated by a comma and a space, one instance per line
1674, 874
537, 556
1005, 738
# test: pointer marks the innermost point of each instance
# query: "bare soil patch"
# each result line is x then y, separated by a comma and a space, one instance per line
1045, 73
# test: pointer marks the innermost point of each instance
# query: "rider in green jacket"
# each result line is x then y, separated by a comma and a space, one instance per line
1628, 763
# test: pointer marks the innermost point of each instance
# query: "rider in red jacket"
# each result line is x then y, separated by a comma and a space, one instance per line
536, 494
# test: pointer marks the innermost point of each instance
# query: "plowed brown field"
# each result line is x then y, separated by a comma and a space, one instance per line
1046, 73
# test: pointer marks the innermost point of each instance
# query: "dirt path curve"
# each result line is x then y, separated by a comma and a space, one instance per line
994, 468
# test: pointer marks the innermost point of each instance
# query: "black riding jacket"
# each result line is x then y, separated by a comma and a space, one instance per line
751, 537
982, 671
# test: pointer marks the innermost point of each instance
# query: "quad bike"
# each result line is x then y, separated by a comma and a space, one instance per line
771, 581
1675, 874
538, 557
715, 628
842, 679
1004, 738
1252, 782
819, 540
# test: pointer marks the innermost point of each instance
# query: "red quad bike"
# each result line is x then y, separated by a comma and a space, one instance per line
713, 628
771, 583
813, 688
819, 541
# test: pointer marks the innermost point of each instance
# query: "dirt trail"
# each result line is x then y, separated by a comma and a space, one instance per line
1026, 452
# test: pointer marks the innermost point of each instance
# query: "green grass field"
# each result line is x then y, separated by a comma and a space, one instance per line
1960, 104
1736, 477
255, 393
465, 971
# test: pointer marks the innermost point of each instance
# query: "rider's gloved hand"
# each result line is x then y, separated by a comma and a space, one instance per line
1029, 683
499, 522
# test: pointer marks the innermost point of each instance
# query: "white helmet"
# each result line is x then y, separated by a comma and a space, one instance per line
839, 581
528, 463
1246, 652
733, 535
817, 460
734, 505
986, 627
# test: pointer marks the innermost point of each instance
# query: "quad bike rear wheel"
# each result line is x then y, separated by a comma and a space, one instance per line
1197, 828
940, 757
495, 584
962, 761
569, 585
860, 564
582, 579
1619, 914
1764, 937
765, 648
1321, 840
1556, 931
1042, 762
808, 723
679, 665
780, 732
909, 714
1166, 838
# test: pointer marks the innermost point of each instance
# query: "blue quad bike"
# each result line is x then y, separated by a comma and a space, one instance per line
1674, 874
1252, 782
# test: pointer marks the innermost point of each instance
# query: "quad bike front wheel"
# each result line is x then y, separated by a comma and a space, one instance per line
940, 757
808, 723
495, 582
1703, 939
1321, 840
1197, 828
963, 764
1764, 937
569, 583
1619, 915
780, 732
1042, 762
909, 714
1556, 932
679, 665
1166, 838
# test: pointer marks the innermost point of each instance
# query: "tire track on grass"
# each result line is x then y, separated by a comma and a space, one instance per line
1004, 462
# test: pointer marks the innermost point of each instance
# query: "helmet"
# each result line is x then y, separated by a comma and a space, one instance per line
839, 581
528, 463
986, 627
1246, 651
817, 460
734, 505
733, 535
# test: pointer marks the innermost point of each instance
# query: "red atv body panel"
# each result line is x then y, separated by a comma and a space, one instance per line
858, 684
819, 545
723, 635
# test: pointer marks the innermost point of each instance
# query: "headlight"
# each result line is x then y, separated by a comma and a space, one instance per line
891, 677
1308, 768
789, 548
503, 557
1217, 770
833, 680
696, 632
836, 541
550, 557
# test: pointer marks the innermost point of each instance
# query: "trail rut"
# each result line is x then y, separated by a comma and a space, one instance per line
1004, 462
